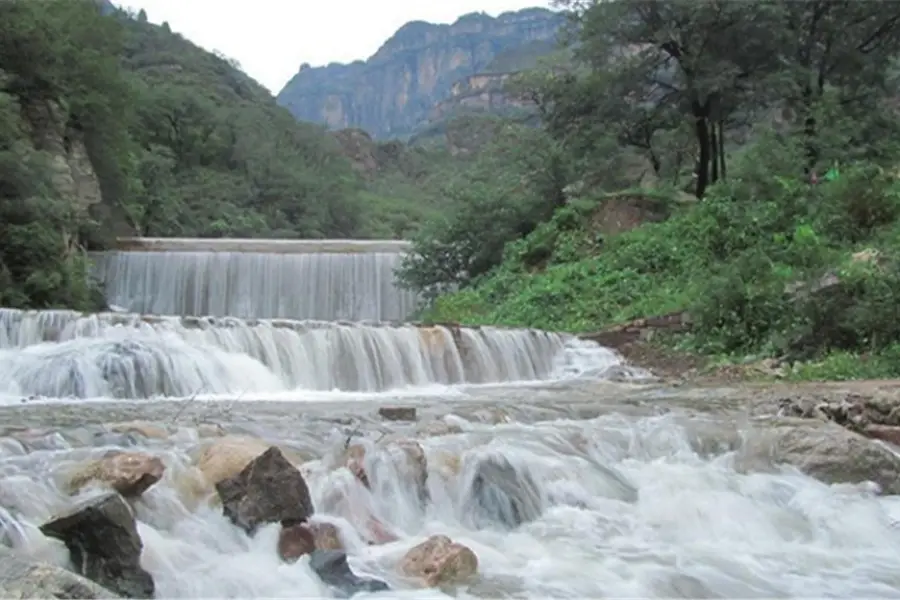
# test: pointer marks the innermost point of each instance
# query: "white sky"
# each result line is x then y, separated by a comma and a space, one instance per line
272, 38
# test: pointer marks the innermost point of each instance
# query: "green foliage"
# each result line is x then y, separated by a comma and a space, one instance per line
765, 262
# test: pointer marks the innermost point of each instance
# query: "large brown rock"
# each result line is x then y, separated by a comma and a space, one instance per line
268, 490
439, 560
102, 538
129, 473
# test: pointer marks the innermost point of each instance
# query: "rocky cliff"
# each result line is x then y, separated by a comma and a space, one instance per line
399, 87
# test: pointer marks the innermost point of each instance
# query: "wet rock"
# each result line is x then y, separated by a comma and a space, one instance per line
129, 473
102, 538
826, 451
268, 490
227, 456
143, 428
397, 413
438, 428
439, 560
301, 539
295, 541
409, 458
326, 536
331, 566
885, 433
355, 461
21, 578
501, 494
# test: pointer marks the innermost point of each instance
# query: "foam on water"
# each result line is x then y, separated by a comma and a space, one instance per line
68, 354
626, 508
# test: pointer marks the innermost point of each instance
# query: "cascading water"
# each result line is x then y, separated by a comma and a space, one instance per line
327, 280
69, 354
609, 507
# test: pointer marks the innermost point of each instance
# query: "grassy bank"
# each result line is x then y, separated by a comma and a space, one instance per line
766, 266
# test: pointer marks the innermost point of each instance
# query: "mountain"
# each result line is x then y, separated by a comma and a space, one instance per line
421, 66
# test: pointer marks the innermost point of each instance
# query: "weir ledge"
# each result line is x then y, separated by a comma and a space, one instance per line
270, 246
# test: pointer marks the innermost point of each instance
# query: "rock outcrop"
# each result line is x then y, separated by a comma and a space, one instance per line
102, 538
393, 92
824, 450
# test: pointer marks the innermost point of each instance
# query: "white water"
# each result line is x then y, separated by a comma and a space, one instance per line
356, 284
69, 354
629, 508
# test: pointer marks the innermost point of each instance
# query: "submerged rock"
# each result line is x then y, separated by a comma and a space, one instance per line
439, 560
331, 566
102, 538
268, 490
21, 578
397, 413
129, 473
501, 494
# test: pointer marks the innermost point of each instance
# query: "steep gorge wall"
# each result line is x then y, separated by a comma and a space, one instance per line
400, 86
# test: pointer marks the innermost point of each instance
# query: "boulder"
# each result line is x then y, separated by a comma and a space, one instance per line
331, 566
21, 578
268, 490
439, 561
826, 451
500, 493
227, 456
104, 545
129, 473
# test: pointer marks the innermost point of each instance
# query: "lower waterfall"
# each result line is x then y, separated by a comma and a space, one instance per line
70, 354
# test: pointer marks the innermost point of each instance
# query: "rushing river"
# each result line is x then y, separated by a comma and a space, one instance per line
644, 491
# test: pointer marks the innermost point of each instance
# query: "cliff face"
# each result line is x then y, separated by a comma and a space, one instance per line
397, 89
73, 175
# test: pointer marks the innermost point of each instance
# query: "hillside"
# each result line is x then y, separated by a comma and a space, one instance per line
110, 125
676, 212
397, 90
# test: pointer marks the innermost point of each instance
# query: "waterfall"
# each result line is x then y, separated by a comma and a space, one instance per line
296, 279
70, 354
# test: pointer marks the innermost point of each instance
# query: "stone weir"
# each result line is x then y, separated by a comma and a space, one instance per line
257, 278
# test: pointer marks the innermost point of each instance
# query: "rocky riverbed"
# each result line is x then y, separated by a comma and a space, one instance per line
559, 490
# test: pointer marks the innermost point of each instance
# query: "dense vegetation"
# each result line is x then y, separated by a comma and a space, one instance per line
179, 141
769, 167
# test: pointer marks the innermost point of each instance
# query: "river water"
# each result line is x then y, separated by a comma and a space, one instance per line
644, 491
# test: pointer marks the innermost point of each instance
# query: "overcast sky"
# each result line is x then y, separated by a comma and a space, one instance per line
272, 38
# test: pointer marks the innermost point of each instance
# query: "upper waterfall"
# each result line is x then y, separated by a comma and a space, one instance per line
295, 279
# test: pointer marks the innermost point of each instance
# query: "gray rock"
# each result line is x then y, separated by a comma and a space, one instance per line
22, 578
826, 451
102, 538
331, 566
269, 490
499, 493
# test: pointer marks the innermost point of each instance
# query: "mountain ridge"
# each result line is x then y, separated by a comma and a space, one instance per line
393, 92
